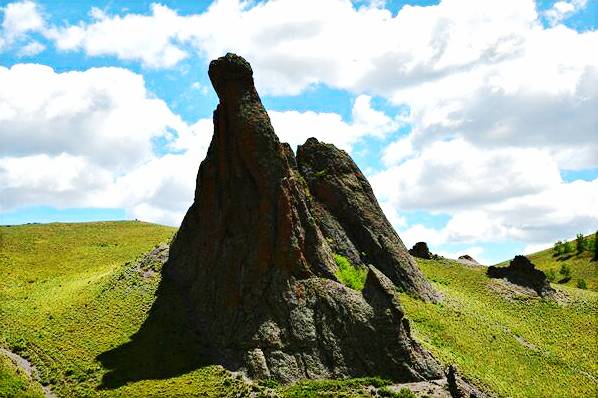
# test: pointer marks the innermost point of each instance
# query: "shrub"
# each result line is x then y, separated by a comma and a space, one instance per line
568, 247
596, 246
348, 274
580, 243
559, 247
403, 393
551, 275
565, 272
582, 284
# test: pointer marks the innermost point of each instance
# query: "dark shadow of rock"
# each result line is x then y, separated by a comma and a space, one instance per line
165, 346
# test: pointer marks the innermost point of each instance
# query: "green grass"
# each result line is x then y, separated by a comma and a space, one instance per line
517, 347
72, 302
332, 388
581, 265
348, 274
15, 383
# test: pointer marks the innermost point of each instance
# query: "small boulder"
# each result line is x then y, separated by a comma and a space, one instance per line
523, 272
421, 250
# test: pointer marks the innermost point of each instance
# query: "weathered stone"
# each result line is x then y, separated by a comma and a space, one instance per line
255, 261
522, 272
421, 250
351, 219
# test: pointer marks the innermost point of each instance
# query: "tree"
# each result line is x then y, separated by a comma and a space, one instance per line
568, 247
558, 247
580, 242
596, 246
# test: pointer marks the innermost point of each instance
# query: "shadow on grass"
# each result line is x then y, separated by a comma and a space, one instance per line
165, 346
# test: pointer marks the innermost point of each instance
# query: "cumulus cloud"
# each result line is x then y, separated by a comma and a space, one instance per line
19, 19
296, 127
513, 194
106, 113
86, 139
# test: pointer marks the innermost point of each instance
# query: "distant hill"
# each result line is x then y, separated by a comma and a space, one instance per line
74, 301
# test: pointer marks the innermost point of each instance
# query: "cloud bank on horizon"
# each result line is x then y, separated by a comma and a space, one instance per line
476, 122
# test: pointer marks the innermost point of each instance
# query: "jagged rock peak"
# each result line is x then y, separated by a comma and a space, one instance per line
255, 255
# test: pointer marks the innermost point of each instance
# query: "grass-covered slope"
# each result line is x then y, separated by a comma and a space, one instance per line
582, 266
515, 345
69, 302
73, 303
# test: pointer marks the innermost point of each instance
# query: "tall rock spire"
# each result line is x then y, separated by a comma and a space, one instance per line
256, 263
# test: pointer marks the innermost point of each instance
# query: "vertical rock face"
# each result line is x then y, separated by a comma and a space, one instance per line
254, 256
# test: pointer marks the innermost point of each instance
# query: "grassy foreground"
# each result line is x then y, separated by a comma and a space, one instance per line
72, 303
515, 345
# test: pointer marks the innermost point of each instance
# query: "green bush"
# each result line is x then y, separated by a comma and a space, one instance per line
551, 275
582, 284
559, 247
348, 274
580, 243
568, 247
403, 393
596, 246
565, 272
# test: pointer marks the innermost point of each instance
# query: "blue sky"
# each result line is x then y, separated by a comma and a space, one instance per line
476, 121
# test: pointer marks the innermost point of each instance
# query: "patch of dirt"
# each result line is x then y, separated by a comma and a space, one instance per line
29, 369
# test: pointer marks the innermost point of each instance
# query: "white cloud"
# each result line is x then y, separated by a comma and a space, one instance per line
19, 19
84, 139
451, 175
104, 113
511, 194
486, 70
296, 127
133, 37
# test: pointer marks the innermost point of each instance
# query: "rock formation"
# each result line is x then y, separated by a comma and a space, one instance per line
522, 272
254, 256
421, 250
466, 259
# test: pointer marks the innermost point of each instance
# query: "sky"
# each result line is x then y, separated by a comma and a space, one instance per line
476, 121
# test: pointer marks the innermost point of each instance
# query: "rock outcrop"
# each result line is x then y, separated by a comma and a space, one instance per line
466, 259
254, 256
421, 250
522, 272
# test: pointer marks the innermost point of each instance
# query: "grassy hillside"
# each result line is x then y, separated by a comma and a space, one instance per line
72, 301
582, 265
516, 345
68, 296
